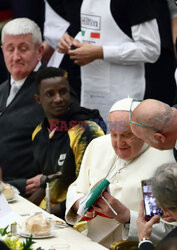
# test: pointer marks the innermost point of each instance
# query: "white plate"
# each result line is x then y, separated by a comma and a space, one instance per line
26, 235
58, 225
12, 200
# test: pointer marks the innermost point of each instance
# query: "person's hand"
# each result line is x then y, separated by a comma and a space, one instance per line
85, 53
167, 217
91, 213
48, 51
145, 227
65, 43
32, 184
123, 213
75, 207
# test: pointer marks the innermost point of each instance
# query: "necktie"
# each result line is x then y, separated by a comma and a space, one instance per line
13, 92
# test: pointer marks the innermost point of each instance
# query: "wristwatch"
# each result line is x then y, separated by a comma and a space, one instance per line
144, 240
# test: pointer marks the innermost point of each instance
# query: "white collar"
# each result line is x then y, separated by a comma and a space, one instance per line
19, 82
120, 164
37, 66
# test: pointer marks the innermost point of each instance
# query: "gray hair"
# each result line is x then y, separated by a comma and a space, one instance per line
164, 186
21, 26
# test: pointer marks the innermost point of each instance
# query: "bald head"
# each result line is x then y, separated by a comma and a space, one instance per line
153, 113
159, 118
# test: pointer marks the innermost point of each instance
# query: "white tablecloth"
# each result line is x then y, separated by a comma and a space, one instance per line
76, 240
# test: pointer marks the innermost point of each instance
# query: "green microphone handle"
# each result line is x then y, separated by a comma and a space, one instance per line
96, 192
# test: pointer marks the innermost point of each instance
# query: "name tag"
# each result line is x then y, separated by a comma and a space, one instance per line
91, 22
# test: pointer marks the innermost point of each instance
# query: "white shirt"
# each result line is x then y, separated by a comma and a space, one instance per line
18, 85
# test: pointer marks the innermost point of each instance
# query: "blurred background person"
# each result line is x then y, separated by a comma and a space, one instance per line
115, 41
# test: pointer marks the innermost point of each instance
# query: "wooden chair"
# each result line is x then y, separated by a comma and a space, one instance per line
124, 245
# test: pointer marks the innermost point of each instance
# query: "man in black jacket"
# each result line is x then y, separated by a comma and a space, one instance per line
60, 140
19, 113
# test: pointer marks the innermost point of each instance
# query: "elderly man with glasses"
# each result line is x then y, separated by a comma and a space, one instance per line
124, 160
155, 123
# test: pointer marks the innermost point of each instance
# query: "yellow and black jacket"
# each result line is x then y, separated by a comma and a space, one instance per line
63, 151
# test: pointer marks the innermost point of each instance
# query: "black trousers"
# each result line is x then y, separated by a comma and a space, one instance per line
160, 81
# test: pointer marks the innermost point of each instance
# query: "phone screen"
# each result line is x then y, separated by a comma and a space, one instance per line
151, 207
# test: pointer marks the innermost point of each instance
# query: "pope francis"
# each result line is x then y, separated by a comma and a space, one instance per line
124, 160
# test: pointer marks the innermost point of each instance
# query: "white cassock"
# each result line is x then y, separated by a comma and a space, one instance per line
99, 159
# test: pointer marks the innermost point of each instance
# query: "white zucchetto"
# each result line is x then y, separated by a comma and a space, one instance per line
124, 105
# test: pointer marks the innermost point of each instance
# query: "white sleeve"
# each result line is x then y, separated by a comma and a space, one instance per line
158, 231
145, 46
173, 8
79, 188
54, 26
72, 196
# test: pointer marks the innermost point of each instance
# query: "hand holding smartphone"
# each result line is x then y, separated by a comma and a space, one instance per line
150, 204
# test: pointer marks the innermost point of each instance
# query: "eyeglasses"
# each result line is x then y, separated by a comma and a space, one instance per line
136, 123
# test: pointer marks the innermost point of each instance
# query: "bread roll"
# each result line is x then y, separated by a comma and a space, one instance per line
8, 191
38, 225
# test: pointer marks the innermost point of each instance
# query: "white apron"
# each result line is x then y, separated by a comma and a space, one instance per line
103, 82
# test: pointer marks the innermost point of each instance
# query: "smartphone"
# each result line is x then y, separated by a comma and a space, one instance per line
150, 204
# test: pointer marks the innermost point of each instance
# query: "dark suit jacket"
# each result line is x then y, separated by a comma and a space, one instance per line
17, 122
148, 246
